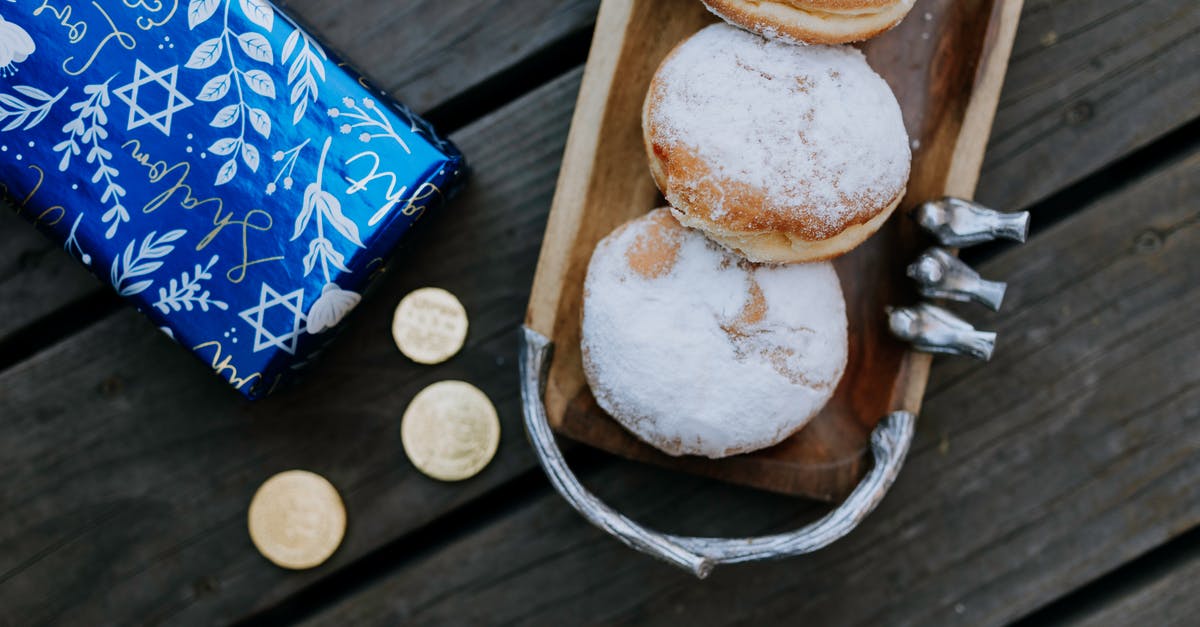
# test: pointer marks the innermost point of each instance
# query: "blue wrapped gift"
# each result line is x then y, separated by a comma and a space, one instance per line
215, 165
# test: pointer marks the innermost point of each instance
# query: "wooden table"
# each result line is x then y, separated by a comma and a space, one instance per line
1059, 483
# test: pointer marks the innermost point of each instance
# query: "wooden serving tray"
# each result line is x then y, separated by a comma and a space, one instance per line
946, 63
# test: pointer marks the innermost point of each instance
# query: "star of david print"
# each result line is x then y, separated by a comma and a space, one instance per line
265, 338
148, 86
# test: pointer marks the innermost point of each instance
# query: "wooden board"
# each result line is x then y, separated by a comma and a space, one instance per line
1032, 476
946, 63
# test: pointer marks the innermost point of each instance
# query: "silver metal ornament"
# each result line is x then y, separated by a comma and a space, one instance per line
931, 329
959, 223
941, 275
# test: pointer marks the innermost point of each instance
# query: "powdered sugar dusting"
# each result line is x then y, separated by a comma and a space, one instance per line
715, 356
812, 127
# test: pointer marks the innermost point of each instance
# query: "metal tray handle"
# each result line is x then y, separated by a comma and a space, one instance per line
890, 443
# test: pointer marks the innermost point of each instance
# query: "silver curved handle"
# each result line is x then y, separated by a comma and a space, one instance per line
889, 444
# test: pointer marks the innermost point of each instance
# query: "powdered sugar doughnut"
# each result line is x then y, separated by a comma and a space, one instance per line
699, 352
813, 21
782, 153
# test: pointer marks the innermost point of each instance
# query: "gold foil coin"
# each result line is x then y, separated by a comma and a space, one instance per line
450, 431
297, 519
430, 326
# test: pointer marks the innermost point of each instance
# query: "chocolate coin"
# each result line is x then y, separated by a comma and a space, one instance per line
450, 431
297, 519
430, 326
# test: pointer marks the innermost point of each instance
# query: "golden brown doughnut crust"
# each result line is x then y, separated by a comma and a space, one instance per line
813, 21
750, 222
690, 181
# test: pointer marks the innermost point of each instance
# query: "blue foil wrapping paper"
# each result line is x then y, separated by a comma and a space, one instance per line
215, 165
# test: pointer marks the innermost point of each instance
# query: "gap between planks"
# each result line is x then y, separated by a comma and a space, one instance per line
1153, 584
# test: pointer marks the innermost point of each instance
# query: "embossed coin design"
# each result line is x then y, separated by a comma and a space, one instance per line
430, 326
450, 431
297, 519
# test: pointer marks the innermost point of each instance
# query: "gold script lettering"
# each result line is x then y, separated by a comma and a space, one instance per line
392, 196
123, 39
424, 192
76, 30
156, 171
51, 215
254, 220
176, 175
223, 365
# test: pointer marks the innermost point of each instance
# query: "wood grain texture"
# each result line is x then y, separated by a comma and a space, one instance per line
948, 103
1170, 598
1072, 453
129, 466
36, 276
1089, 81
425, 52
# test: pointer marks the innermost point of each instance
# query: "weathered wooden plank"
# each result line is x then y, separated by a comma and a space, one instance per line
426, 52
36, 277
1089, 81
1170, 598
128, 466
1070, 454
429, 51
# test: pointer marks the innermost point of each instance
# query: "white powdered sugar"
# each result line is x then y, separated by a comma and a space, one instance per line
706, 354
811, 129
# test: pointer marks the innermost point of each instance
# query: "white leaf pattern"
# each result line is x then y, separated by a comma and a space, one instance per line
200, 10
227, 172
216, 88
261, 83
301, 109
236, 80
314, 253
139, 261
87, 129
256, 47
185, 293
307, 60
16, 113
289, 46
227, 116
251, 157
224, 147
260, 13
321, 207
206, 54
260, 121
307, 210
331, 208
